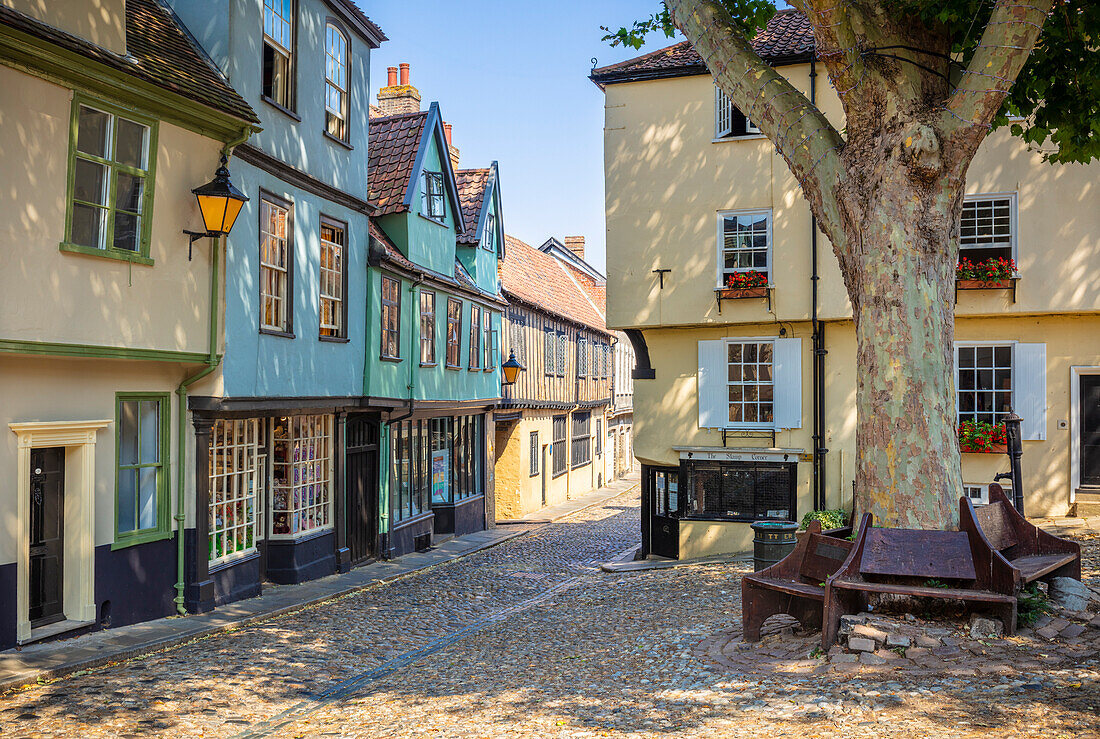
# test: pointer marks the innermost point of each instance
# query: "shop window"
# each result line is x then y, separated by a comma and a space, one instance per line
431, 196
441, 439
301, 490
580, 452
275, 264
535, 454
238, 462
435, 461
469, 459
454, 333
111, 159
333, 279
987, 228
665, 487
475, 337
740, 491
559, 445
143, 507
427, 328
278, 54
391, 318
336, 83
744, 243
984, 383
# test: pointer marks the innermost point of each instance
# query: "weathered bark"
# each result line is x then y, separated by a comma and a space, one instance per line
888, 195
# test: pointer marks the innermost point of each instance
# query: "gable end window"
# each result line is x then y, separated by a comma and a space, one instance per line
489, 238
427, 327
336, 83
391, 318
110, 192
987, 228
729, 122
744, 243
278, 52
333, 279
142, 507
431, 196
454, 333
276, 264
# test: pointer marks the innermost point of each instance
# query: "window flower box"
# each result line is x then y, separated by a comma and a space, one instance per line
735, 293
976, 437
995, 272
984, 284
739, 285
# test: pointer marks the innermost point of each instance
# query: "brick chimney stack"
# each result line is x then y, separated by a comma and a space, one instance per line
575, 244
452, 150
398, 97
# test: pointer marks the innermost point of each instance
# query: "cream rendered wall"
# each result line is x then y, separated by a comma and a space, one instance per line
47, 389
102, 22
53, 296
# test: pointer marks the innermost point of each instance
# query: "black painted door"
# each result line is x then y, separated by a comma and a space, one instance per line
361, 489
1090, 430
47, 493
664, 522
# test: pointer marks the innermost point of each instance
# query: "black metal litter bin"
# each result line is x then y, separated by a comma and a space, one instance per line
773, 541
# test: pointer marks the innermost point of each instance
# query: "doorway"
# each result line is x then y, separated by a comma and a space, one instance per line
361, 489
1090, 431
47, 537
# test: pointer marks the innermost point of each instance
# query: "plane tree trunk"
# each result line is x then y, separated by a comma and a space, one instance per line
888, 194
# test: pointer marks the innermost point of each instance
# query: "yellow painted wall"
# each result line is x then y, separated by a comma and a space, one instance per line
55, 296
102, 22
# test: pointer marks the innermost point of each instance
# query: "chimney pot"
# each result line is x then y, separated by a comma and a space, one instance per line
391, 76
404, 73
398, 99
447, 132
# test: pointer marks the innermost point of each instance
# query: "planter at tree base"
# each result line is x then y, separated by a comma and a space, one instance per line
984, 284
735, 293
993, 449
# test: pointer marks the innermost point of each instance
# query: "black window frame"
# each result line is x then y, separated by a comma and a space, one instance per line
430, 198
342, 228
475, 339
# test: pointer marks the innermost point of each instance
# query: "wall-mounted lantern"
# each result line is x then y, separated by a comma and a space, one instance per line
511, 368
220, 203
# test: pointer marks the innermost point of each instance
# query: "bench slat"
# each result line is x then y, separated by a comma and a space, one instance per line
1034, 567
916, 553
983, 596
788, 586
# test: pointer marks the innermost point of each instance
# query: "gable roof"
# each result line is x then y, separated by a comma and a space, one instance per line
397, 146
787, 39
472, 185
159, 52
538, 279
556, 249
358, 20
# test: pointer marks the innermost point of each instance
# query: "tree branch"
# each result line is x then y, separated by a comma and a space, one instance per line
1009, 37
802, 134
833, 22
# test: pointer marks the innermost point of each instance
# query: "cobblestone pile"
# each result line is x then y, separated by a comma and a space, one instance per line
531, 639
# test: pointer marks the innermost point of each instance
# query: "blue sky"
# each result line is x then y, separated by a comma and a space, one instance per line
512, 78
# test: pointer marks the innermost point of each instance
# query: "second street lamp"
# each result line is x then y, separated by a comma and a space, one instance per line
511, 368
220, 203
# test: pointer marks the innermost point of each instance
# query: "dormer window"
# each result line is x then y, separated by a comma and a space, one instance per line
278, 58
431, 196
489, 238
729, 122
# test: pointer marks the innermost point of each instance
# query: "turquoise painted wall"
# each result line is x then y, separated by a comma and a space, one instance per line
424, 241
480, 262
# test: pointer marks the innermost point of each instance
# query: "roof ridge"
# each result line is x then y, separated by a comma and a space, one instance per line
397, 115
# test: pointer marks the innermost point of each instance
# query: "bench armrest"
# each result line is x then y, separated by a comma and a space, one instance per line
850, 568
1037, 541
993, 571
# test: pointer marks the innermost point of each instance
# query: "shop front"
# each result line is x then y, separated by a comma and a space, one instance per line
267, 485
438, 479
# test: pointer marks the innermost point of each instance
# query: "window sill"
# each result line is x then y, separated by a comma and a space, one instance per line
474, 369
133, 540
276, 332
337, 141
395, 360
436, 221
429, 364
301, 535
419, 517
746, 137
454, 367
285, 111
556, 475
581, 464
217, 565
118, 255
334, 339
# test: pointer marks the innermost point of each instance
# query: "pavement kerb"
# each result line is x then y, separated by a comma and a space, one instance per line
38, 676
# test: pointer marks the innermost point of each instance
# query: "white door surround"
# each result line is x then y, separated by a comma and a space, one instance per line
78, 588
1075, 427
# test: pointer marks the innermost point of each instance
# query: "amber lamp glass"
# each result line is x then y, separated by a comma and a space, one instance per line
511, 369
220, 202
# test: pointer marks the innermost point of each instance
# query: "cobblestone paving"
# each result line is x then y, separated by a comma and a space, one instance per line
531, 639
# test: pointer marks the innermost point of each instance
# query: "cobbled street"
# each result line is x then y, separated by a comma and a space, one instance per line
531, 638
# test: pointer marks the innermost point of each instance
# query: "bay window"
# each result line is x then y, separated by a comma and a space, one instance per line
238, 471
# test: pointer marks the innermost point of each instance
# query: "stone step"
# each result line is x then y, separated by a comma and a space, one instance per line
1086, 503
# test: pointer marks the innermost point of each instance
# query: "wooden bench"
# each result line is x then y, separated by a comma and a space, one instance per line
902, 561
1013, 551
795, 584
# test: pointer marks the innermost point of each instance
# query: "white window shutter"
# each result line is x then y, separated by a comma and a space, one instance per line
1030, 394
713, 377
723, 114
787, 376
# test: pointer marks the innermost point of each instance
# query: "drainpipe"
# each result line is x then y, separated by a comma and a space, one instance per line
212, 362
819, 351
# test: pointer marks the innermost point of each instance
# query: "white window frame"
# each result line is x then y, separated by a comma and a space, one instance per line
720, 252
1013, 222
323, 465
750, 424
982, 488
246, 485
1011, 344
337, 60
723, 114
